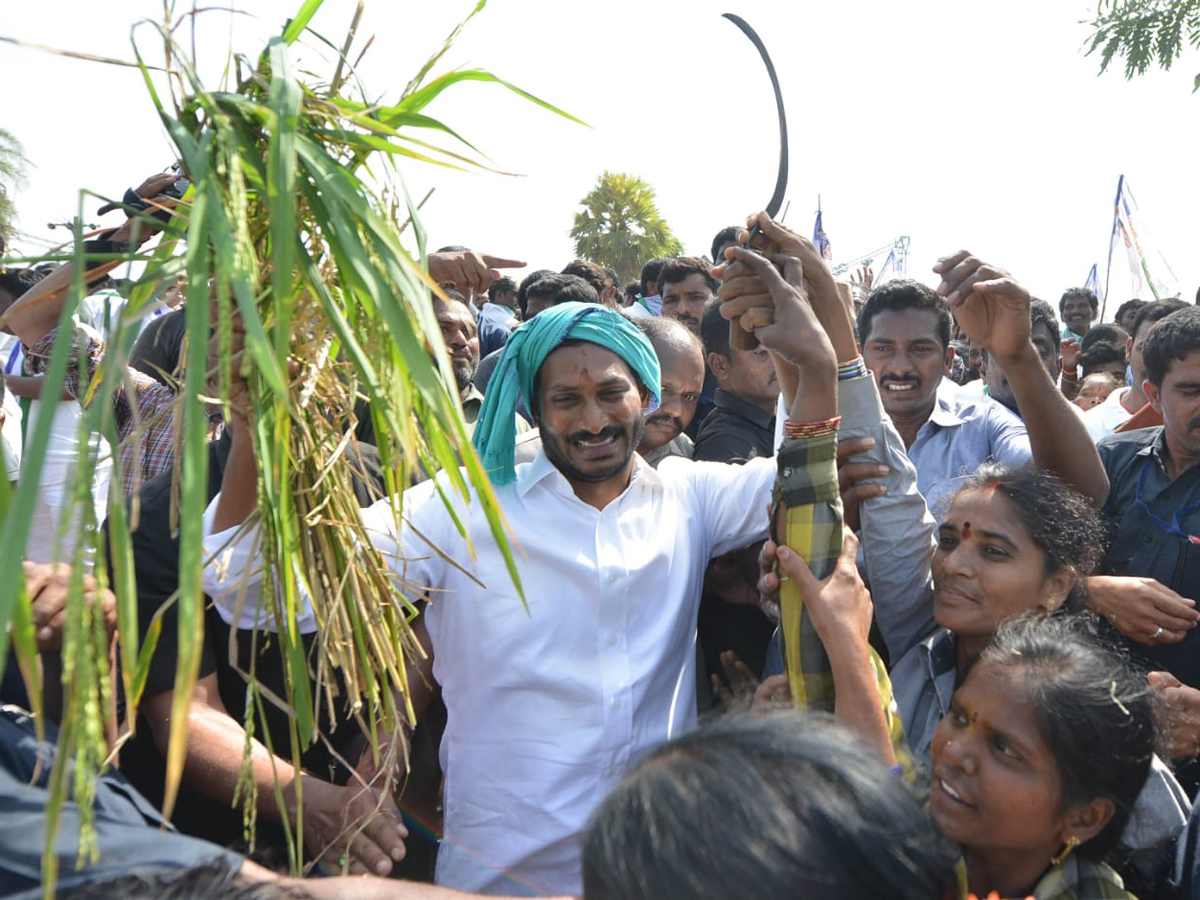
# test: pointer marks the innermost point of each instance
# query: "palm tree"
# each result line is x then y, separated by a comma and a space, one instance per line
620, 225
12, 175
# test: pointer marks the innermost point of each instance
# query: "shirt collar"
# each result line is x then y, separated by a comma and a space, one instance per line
472, 400
945, 406
541, 469
1156, 447
744, 408
941, 664
939, 651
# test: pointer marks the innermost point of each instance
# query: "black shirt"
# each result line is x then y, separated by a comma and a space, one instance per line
735, 431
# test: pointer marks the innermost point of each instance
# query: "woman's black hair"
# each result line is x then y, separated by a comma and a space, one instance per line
1096, 713
777, 806
1060, 521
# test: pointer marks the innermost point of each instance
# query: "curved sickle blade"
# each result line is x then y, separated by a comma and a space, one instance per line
740, 339
776, 200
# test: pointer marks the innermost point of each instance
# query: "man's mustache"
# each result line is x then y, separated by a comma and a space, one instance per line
664, 418
603, 434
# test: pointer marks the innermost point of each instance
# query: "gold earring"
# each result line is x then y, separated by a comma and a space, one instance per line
1071, 844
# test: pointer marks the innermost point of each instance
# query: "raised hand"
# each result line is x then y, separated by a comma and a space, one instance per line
988, 304
469, 271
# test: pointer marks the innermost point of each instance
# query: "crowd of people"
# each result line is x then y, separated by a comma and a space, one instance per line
1014, 490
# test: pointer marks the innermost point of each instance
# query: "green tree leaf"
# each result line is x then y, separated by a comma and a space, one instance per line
1143, 32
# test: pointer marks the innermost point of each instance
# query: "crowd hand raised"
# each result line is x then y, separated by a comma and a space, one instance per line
863, 277
1071, 354
354, 829
774, 693
1179, 715
469, 271
839, 606
852, 478
781, 318
737, 691
48, 586
1142, 609
988, 304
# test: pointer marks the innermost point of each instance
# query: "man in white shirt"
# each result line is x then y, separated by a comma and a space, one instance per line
1121, 404
550, 699
501, 306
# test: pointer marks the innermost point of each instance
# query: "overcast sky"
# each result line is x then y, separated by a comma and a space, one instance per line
956, 124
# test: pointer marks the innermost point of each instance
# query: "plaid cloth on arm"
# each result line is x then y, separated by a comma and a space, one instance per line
144, 421
807, 486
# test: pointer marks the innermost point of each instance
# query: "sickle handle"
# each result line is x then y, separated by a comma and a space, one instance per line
739, 337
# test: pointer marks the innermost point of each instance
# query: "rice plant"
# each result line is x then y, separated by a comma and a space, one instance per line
290, 223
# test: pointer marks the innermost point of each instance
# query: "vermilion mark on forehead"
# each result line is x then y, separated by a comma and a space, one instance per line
966, 530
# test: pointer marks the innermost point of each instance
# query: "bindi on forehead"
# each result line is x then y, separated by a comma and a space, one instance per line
966, 530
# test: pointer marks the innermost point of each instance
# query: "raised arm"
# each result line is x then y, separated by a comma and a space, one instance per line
37, 312
809, 516
897, 530
993, 309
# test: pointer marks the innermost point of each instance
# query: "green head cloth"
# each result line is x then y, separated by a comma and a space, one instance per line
526, 350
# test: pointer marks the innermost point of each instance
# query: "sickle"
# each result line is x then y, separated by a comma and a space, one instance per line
738, 337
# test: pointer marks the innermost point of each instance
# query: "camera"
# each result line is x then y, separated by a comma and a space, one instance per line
131, 202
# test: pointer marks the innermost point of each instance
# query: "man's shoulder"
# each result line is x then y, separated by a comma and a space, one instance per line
1124, 445
1135, 439
730, 432
968, 405
979, 413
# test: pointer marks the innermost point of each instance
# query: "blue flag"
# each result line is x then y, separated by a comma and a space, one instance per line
821, 239
1093, 284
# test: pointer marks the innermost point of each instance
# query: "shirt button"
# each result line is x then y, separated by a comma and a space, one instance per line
612, 640
612, 577
616, 703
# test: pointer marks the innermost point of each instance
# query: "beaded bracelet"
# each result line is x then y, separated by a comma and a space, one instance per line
806, 430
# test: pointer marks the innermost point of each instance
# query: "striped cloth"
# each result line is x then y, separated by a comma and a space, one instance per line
808, 488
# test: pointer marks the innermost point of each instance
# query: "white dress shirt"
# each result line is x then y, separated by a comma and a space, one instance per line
1106, 417
550, 701
499, 314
